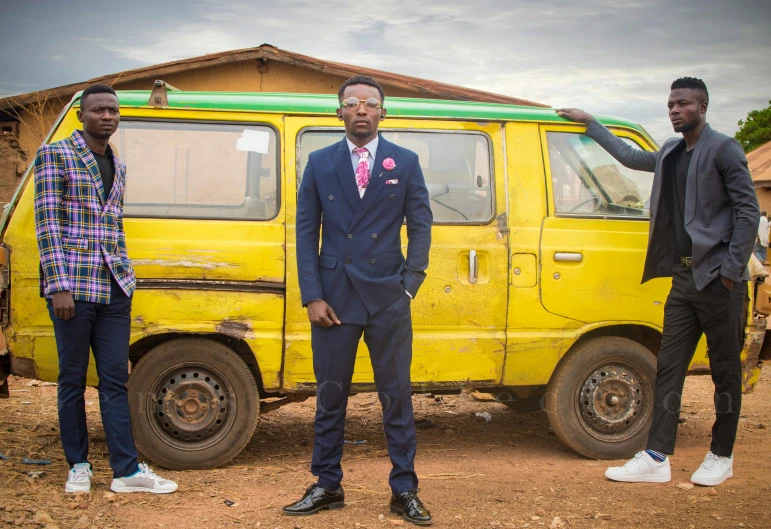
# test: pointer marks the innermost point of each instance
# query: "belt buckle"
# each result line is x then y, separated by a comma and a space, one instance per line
687, 261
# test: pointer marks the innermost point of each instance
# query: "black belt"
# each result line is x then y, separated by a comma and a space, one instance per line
687, 261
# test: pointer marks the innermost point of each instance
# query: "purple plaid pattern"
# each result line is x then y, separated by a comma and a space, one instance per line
79, 231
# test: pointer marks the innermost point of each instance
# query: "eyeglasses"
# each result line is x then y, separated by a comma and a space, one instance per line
353, 103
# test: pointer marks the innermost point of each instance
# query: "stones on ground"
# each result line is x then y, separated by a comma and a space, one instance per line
602, 516
109, 496
43, 517
557, 523
540, 512
685, 485
396, 522
83, 520
712, 492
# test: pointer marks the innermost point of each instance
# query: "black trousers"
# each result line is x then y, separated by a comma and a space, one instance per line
104, 329
388, 335
719, 314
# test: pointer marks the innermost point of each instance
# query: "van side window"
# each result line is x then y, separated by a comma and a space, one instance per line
199, 170
587, 181
456, 166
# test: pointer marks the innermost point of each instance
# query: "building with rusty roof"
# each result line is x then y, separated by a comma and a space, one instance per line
759, 162
25, 119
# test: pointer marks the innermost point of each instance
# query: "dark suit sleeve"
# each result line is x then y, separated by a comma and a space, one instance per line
630, 157
419, 219
732, 165
308, 226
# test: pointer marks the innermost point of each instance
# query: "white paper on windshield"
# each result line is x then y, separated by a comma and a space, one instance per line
254, 141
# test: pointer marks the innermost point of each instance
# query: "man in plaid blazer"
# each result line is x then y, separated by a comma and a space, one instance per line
88, 282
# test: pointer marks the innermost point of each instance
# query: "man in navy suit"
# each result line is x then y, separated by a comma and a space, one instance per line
360, 191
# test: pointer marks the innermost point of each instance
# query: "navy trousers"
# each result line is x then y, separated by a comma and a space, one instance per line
719, 314
105, 330
388, 336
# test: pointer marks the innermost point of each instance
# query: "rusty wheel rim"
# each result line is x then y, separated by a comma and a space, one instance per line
191, 407
614, 401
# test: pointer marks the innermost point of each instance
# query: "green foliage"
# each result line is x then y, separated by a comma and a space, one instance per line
755, 130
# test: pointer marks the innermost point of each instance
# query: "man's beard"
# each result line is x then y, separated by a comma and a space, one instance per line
101, 135
685, 127
361, 134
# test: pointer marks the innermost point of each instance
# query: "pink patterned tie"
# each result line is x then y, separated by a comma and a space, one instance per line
362, 170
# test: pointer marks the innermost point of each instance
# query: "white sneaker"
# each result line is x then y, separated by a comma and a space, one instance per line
641, 469
79, 478
144, 480
714, 470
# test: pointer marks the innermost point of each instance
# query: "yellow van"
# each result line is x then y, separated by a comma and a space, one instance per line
533, 291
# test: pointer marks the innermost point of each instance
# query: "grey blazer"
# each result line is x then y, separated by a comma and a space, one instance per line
721, 208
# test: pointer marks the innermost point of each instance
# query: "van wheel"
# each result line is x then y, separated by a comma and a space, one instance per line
194, 404
600, 398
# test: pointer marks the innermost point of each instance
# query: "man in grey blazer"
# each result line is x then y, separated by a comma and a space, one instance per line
703, 224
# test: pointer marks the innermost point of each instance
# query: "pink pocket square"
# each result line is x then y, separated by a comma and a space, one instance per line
394, 181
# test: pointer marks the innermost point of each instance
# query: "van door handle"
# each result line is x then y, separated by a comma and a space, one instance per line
569, 257
473, 265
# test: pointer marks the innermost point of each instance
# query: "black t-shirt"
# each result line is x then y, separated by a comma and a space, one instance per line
679, 161
106, 170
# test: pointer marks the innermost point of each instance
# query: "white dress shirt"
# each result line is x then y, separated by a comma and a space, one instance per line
763, 231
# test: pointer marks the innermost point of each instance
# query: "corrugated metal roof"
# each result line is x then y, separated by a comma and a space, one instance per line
423, 87
759, 162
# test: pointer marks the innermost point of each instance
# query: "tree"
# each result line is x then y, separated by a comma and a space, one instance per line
756, 129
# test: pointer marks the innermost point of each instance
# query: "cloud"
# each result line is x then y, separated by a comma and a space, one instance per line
607, 56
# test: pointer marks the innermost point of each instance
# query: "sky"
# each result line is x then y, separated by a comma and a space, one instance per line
612, 57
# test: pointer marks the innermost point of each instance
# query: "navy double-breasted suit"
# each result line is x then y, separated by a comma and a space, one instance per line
361, 273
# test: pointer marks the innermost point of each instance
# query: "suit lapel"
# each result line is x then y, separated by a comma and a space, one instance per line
89, 161
376, 180
658, 177
117, 183
345, 175
690, 187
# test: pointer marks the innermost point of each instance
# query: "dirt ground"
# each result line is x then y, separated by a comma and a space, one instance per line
508, 472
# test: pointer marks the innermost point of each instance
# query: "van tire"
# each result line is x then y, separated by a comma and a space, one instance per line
600, 398
194, 404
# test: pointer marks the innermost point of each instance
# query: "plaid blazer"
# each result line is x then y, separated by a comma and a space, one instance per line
79, 231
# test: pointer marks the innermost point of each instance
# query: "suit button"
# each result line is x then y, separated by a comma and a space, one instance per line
392, 197
371, 261
706, 225
347, 261
350, 235
374, 235
331, 197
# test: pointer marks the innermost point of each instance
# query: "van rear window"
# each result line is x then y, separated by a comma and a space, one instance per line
456, 166
199, 170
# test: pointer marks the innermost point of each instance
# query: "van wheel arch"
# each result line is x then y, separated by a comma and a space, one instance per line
646, 336
144, 345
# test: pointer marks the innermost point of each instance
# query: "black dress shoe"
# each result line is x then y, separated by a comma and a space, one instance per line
316, 499
410, 507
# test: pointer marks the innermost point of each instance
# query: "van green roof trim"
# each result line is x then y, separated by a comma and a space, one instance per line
326, 104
